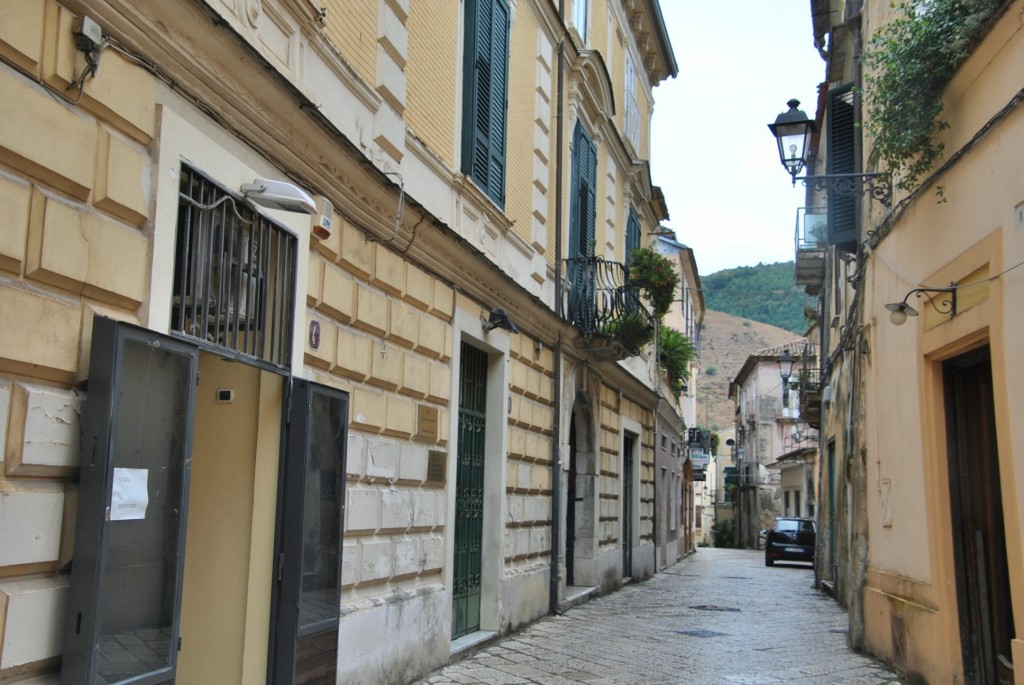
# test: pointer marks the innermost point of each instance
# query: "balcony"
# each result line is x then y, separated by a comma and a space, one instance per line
811, 230
810, 396
613, 322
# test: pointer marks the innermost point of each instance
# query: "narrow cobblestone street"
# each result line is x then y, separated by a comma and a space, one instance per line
719, 616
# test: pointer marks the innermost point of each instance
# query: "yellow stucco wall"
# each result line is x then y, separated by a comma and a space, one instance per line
969, 237
351, 26
522, 111
433, 73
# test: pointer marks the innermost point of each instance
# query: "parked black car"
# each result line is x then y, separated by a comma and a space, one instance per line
790, 539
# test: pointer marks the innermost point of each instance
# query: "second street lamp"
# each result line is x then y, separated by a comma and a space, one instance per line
785, 370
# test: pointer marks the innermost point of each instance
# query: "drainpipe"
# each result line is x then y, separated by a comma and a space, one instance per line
556, 437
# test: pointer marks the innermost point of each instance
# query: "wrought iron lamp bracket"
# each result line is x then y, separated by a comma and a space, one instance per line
877, 185
945, 305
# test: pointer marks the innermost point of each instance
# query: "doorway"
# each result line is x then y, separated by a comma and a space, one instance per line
469, 497
570, 508
192, 541
628, 441
979, 537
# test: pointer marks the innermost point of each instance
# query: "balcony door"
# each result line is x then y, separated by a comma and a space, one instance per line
582, 219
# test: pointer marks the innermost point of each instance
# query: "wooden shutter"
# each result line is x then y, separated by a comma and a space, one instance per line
485, 86
842, 211
632, 235
583, 208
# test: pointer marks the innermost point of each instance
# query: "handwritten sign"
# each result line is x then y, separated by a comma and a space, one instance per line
130, 494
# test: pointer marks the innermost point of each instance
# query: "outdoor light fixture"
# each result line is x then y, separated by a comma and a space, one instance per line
946, 305
279, 195
792, 130
785, 370
499, 319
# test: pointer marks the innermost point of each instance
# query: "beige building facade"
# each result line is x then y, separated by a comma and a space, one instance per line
921, 532
294, 380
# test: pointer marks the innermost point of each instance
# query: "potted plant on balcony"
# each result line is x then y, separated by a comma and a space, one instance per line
654, 275
633, 330
675, 351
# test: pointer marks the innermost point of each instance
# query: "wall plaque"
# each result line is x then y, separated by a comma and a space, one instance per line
437, 467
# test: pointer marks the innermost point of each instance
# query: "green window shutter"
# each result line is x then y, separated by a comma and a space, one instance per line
842, 210
632, 235
589, 190
485, 87
583, 208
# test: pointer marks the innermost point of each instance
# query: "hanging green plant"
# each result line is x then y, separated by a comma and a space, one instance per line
655, 276
910, 61
675, 352
633, 330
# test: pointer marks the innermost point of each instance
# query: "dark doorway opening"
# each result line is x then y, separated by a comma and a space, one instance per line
979, 536
627, 505
570, 508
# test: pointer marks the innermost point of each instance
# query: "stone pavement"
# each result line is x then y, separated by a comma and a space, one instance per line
718, 617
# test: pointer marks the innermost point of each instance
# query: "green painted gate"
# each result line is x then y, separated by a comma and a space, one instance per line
469, 492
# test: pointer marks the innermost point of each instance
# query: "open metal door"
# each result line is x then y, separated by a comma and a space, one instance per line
309, 538
126, 577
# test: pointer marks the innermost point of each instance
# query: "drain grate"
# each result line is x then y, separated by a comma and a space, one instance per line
700, 633
712, 607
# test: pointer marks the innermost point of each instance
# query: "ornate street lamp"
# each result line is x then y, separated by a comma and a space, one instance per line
792, 130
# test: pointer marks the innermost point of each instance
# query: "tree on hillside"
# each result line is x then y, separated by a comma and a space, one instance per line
765, 293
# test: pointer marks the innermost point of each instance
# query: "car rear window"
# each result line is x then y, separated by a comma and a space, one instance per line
790, 525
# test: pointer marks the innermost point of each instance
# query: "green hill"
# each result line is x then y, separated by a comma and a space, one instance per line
764, 293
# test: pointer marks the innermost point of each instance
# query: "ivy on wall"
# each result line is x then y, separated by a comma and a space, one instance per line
910, 61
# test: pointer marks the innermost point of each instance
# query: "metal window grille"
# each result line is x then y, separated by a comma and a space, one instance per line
234, 275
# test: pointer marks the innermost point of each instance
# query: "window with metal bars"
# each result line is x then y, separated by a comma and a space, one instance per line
234, 274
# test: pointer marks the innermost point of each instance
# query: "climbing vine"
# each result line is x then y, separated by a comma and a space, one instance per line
910, 62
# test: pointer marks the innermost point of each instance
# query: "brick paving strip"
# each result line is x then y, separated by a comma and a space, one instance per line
718, 617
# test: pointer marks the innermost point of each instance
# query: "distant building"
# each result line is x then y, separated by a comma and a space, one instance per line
766, 415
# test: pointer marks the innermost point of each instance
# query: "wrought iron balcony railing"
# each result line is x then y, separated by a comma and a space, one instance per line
606, 309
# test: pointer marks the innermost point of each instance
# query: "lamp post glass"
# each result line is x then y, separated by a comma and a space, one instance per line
792, 130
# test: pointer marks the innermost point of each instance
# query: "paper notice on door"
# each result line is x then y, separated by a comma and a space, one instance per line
130, 495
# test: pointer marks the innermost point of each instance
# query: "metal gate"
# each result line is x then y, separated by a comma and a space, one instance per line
469, 492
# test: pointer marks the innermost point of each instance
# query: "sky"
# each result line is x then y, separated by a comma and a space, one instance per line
728, 196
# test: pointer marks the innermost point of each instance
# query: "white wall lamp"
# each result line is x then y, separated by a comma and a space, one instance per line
278, 195
944, 305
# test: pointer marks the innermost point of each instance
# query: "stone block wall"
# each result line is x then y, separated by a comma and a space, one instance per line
528, 483
385, 336
74, 241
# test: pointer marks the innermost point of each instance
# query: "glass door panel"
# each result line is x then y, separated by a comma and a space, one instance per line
310, 536
126, 579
